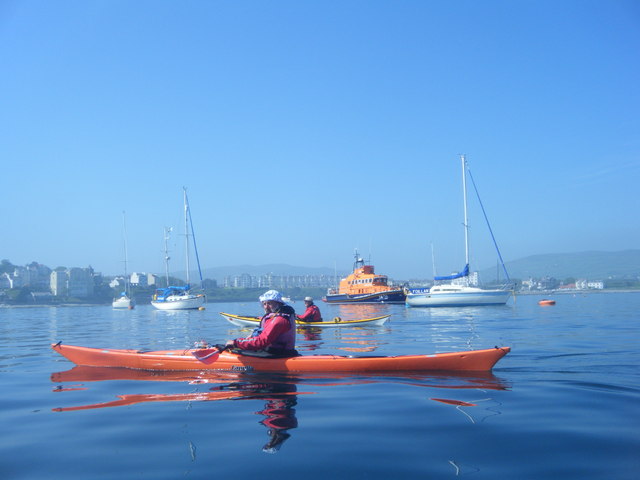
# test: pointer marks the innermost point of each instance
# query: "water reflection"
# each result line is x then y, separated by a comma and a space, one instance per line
487, 407
311, 338
279, 392
359, 340
355, 311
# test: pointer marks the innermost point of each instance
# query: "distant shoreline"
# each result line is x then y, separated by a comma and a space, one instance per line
581, 292
541, 293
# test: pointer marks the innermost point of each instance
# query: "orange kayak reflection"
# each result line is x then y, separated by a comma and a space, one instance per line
268, 383
278, 391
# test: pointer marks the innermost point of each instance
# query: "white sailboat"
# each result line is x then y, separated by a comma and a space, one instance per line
124, 300
457, 290
180, 297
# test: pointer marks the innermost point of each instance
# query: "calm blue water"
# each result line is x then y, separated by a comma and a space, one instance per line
565, 403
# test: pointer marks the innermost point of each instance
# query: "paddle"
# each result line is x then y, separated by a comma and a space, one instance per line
210, 355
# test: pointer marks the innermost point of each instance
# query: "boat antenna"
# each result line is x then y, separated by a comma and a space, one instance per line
358, 260
167, 234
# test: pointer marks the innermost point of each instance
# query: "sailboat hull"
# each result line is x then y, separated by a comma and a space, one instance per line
123, 302
183, 302
478, 297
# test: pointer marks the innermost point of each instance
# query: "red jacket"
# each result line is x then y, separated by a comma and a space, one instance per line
311, 314
276, 331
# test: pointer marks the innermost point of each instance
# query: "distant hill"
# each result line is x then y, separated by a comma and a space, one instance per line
218, 273
593, 265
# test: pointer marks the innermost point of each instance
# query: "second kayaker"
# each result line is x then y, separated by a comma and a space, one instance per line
312, 312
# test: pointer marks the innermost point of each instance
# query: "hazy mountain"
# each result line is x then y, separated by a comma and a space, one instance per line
587, 265
218, 273
593, 265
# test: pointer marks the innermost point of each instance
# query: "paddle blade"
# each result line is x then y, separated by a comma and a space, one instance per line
206, 355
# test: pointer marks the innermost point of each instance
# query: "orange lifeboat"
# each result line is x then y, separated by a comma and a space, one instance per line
546, 302
363, 285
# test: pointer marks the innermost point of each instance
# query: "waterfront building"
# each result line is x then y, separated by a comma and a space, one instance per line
58, 283
80, 282
139, 279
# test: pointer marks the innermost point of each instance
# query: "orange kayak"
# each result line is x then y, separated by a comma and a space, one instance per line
210, 359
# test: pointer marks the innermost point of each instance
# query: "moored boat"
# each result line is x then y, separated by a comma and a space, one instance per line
363, 285
450, 295
546, 302
212, 359
177, 298
124, 300
458, 290
243, 321
180, 297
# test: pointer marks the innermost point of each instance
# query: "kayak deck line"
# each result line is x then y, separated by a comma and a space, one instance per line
198, 359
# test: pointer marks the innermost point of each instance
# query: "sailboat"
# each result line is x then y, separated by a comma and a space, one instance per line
180, 297
457, 289
124, 300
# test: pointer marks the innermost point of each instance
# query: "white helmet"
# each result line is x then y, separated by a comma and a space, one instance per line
271, 295
308, 299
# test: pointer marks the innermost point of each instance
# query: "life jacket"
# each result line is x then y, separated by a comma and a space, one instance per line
285, 344
315, 315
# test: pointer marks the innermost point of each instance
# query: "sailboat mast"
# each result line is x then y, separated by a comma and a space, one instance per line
433, 261
186, 232
124, 234
464, 196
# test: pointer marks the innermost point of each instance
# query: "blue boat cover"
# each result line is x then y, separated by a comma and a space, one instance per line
463, 273
163, 293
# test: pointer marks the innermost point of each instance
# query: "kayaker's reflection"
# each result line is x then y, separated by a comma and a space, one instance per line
280, 394
279, 411
310, 334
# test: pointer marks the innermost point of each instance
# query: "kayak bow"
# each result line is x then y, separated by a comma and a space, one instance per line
182, 360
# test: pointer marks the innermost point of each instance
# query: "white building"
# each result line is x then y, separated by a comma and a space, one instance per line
59, 282
139, 279
587, 285
72, 282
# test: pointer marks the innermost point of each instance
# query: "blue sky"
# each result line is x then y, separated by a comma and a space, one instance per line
303, 130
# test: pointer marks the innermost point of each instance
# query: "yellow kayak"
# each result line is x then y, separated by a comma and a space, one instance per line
244, 321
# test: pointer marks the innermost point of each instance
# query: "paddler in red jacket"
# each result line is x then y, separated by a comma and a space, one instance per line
312, 313
276, 334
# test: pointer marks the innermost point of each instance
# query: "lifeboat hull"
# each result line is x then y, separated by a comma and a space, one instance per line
389, 296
